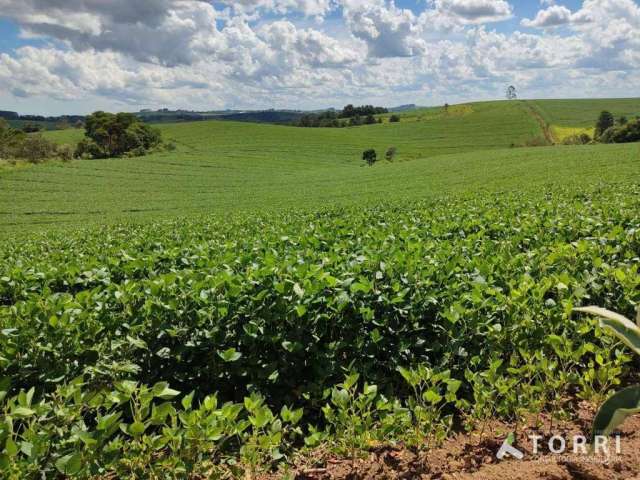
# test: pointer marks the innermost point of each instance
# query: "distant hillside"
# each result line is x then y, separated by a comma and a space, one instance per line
404, 108
258, 116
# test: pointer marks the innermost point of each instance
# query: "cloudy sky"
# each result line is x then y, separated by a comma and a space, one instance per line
76, 56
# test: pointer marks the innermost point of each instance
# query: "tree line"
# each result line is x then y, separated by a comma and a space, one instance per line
349, 116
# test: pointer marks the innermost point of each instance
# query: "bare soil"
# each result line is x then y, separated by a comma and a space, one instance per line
473, 457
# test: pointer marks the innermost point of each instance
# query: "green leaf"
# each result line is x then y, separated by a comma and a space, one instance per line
162, 390
69, 464
298, 290
615, 410
432, 396
137, 428
187, 401
230, 355
22, 412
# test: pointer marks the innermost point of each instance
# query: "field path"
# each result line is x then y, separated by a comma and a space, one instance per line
544, 126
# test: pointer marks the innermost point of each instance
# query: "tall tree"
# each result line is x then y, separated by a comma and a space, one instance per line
605, 122
512, 94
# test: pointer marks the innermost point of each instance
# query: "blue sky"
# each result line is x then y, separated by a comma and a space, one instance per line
75, 56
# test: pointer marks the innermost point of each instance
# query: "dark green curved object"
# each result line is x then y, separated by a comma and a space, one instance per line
615, 410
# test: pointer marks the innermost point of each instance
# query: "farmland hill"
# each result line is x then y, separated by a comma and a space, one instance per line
223, 166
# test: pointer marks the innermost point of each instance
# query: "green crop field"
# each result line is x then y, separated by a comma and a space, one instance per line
259, 293
225, 167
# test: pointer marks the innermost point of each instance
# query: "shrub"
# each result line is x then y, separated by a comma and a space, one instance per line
627, 133
31, 128
65, 153
35, 148
539, 141
581, 139
370, 156
394, 119
391, 153
370, 120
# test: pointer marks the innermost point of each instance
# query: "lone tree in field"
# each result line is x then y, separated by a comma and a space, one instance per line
370, 156
605, 122
114, 135
512, 94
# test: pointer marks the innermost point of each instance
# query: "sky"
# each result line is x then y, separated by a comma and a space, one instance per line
78, 56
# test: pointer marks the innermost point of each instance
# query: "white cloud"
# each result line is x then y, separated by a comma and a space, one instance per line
474, 11
553, 16
270, 53
309, 8
387, 31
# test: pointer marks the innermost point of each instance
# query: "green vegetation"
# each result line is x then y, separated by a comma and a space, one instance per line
34, 148
228, 166
259, 292
123, 134
349, 116
478, 292
626, 402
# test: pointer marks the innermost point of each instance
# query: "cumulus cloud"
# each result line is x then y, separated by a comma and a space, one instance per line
309, 8
264, 53
553, 16
162, 31
474, 11
387, 30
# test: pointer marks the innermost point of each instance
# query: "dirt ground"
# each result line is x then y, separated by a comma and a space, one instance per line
470, 457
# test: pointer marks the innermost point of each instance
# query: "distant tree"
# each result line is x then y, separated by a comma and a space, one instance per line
348, 111
355, 121
630, 132
63, 124
370, 156
512, 94
390, 154
394, 118
605, 121
113, 135
370, 120
31, 127
446, 107
363, 111
79, 124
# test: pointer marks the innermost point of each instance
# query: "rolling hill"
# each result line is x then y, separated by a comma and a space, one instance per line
229, 166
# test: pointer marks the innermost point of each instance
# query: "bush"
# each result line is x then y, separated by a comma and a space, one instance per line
31, 128
581, 139
370, 156
65, 153
536, 142
109, 135
35, 148
627, 133
394, 119
391, 153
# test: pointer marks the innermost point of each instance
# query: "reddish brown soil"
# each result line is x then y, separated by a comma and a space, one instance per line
468, 457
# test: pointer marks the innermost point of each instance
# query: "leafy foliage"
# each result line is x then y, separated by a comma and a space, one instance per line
113, 135
625, 402
370, 156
